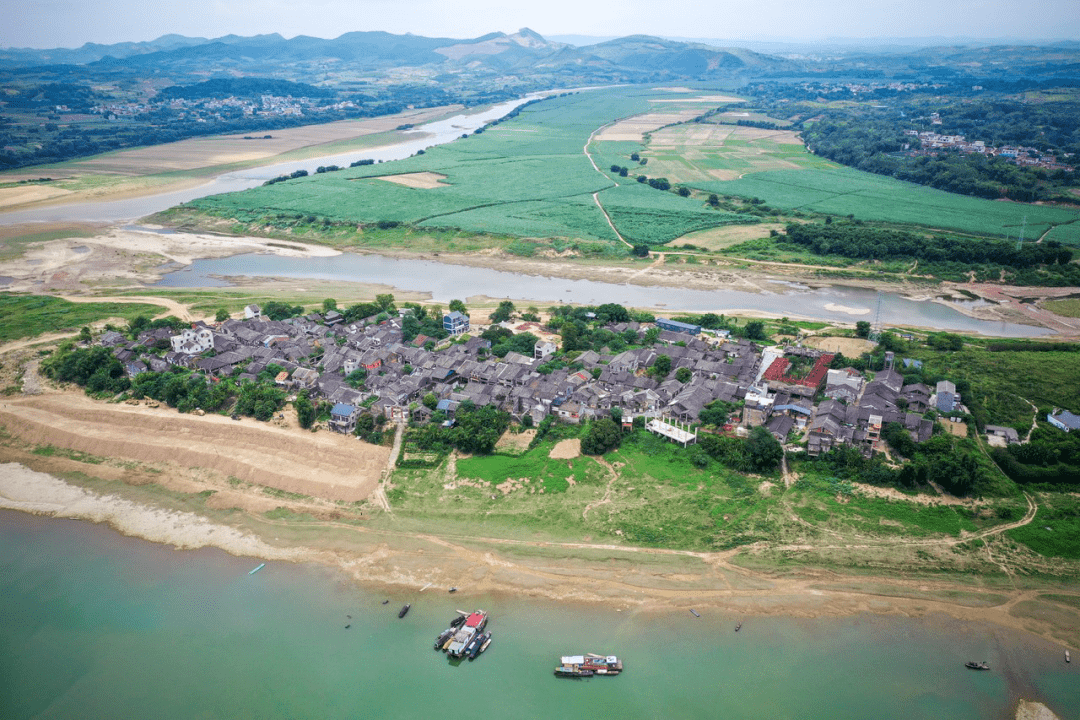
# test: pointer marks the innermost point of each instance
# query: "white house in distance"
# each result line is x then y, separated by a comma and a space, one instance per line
193, 341
456, 323
252, 311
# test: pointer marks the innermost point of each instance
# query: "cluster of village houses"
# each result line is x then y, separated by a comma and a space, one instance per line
791, 391
930, 143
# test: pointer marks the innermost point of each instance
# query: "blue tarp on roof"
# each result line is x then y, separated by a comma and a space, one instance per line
343, 409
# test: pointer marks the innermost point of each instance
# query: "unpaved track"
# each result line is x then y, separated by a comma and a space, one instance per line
326, 465
172, 307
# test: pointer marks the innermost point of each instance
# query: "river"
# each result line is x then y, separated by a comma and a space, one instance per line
98, 625
446, 282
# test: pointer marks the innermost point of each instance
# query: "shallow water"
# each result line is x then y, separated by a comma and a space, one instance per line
97, 625
446, 282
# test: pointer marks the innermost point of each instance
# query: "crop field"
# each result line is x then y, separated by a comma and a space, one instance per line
528, 177
32, 315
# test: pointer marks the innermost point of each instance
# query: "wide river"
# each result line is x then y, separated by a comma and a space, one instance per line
98, 625
446, 282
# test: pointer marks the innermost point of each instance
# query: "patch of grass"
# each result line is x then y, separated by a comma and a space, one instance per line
533, 465
1069, 307
1055, 531
31, 315
1070, 600
274, 492
281, 513
76, 455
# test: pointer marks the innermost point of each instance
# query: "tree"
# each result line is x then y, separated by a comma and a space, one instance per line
603, 435
683, 374
430, 401
329, 304
755, 330
385, 302
504, 312
764, 450
640, 251
222, 315
684, 192
305, 411
714, 201
862, 329
662, 366
356, 378
84, 334
458, 306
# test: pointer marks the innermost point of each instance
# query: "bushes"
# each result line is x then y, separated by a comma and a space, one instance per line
602, 436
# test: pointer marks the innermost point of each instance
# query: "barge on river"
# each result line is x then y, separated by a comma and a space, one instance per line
462, 642
588, 665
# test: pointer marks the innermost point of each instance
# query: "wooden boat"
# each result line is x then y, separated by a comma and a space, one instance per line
977, 665
404, 610
257, 569
1068, 657
453, 589
694, 612
474, 647
564, 671
456, 622
486, 643
738, 627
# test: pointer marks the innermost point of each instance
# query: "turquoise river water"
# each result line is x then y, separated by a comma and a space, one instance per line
97, 625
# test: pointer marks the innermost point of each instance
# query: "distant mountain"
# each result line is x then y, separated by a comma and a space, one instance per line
92, 52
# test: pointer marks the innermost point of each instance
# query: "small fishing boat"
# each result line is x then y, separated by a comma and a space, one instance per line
443, 637
738, 627
977, 665
694, 612
1068, 657
257, 569
453, 589
474, 647
385, 602
404, 610
486, 643
456, 622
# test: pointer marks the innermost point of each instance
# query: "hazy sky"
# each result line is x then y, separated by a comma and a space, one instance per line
70, 23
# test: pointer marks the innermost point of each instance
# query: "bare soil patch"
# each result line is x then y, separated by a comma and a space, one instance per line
420, 180
958, 429
566, 449
728, 235
515, 441
632, 129
29, 193
850, 347
326, 465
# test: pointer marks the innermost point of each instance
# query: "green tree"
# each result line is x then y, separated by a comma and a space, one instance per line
661, 367
305, 411
640, 251
504, 312
356, 378
862, 329
764, 451
329, 304
459, 306
84, 334
385, 302
683, 374
430, 400
684, 191
603, 435
222, 315
714, 201
755, 330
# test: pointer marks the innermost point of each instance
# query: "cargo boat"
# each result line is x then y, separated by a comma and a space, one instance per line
404, 610
462, 641
588, 665
977, 665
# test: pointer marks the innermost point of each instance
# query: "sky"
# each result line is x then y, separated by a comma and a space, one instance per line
70, 23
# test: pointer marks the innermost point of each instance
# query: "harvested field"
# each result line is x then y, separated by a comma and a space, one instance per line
958, 429
420, 180
326, 465
850, 347
718, 99
566, 449
23, 194
721, 237
632, 129
518, 442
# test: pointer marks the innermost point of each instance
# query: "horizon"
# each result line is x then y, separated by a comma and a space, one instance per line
816, 22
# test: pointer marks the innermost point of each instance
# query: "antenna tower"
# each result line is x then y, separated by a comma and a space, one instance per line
1020, 240
875, 329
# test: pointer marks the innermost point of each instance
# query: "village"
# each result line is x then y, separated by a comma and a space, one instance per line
931, 143
793, 391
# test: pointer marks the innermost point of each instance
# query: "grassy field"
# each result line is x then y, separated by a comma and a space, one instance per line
1069, 307
31, 315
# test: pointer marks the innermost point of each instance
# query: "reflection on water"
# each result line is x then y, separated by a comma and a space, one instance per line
446, 282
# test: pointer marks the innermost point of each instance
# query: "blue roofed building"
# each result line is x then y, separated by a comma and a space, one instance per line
676, 326
343, 417
455, 323
1064, 420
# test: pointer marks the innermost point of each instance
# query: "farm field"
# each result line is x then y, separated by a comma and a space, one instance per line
530, 177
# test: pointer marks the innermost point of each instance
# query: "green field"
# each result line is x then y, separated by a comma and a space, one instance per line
32, 315
530, 177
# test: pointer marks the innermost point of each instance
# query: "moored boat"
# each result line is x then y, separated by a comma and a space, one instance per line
566, 671
1068, 657
462, 641
404, 610
474, 647
738, 627
591, 664
694, 612
977, 665
486, 643
440, 641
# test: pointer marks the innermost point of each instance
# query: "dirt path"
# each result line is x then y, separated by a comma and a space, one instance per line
172, 307
607, 492
596, 195
660, 260
379, 496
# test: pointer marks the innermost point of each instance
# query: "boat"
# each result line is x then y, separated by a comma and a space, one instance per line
588, 665
1068, 657
461, 643
977, 665
443, 637
486, 643
473, 648
385, 602
694, 612
738, 627
456, 622
453, 589
257, 569
404, 610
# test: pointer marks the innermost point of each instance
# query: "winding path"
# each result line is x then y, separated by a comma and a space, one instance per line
596, 195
